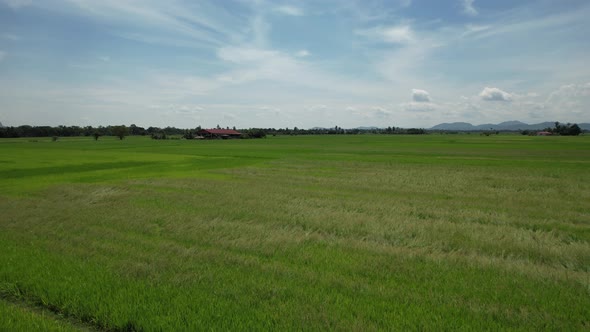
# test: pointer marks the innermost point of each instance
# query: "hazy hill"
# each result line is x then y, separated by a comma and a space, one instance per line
507, 125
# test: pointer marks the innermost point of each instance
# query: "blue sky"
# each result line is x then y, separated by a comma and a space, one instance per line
242, 63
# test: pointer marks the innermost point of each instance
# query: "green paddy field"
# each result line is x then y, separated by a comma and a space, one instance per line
369, 232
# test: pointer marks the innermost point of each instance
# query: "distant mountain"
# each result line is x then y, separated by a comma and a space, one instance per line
454, 126
507, 125
366, 128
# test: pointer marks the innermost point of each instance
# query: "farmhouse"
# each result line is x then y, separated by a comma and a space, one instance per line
544, 133
219, 133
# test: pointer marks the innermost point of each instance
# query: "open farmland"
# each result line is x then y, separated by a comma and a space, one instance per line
317, 232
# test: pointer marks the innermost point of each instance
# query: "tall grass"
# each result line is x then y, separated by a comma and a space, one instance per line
367, 232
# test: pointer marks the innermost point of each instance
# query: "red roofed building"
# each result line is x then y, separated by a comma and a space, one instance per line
219, 133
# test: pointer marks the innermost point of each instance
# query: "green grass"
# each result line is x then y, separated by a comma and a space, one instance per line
328, 232
20, 318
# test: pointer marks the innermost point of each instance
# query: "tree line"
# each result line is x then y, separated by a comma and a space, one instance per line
71, 131
567, 129
336, 130
121, 131
168, 132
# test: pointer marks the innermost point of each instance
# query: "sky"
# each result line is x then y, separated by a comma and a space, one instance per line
308, 63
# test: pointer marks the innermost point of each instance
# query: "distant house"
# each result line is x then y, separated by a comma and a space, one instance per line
219, 133
544, 133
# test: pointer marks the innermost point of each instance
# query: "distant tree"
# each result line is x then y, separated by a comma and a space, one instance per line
566, 130
153, 130
188, 134
415, 131
87, 131
96, 135
54, 138
135, 130
255, 133
575, 130
120, 131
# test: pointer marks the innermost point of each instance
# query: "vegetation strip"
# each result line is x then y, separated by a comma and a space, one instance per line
331, 232
21, 314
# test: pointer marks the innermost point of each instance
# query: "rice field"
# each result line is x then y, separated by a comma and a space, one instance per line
363, 232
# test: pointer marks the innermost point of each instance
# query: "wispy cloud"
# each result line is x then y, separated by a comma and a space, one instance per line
251, 64
260, 29
468, 8
16, 4
419, 107
398, 34
517, 21
473, 29
289, 10
155, 21
302, 53
405, 3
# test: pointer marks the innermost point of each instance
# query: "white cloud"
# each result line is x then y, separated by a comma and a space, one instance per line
16, 4
570, 91
168, 22
266, 110
405, 3
419, 106
519, 21
289, 10
495, 94
475, 30
255, 64
370, 112
468, 8
400, 34
260, 30
569, 101
261, 66
380, 112
186, 109
302, 53
317, 108
242, 55
420, 95
229, 117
